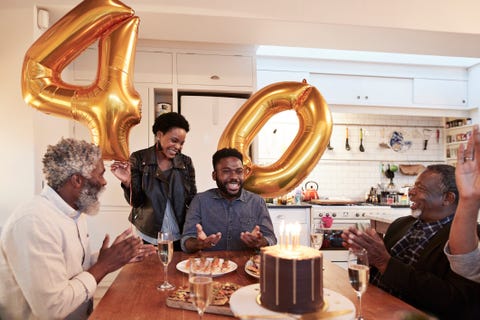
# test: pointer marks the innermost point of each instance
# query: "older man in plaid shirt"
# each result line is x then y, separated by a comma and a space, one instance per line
410, 263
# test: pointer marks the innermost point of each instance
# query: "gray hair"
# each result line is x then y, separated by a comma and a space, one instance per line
68, 157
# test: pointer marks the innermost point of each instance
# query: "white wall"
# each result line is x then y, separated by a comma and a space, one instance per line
350, 174
16, 120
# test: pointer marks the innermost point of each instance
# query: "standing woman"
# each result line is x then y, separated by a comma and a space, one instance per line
159, 182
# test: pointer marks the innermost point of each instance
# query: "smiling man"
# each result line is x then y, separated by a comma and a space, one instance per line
233, 218
47, 269
409, 262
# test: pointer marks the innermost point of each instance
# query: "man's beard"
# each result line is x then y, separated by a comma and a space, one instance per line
88, 201
416, 213
223, 189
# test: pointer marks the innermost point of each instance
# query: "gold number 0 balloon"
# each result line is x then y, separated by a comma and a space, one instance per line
110, 106
306, 149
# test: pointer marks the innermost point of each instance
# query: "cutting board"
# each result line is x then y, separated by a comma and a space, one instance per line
223, 310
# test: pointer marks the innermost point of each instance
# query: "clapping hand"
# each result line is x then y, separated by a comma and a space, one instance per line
378, 255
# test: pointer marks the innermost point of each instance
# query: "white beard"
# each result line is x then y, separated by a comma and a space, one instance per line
416, 213
88, 202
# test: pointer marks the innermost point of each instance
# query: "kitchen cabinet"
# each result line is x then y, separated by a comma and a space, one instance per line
150, 66
292, 214
437, 92
215, 70
363, 90
266, 77
455, 136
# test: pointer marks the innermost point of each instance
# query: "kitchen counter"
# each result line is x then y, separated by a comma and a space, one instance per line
381, 222
288, 206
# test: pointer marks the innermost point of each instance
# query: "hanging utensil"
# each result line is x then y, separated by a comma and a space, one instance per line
426, 136
347, 145
383, 143
329, 147
361, 148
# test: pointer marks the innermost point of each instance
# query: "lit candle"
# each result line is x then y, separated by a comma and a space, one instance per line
282, 234
288, 230
296, 236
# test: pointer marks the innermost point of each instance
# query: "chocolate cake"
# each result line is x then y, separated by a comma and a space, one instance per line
291, 280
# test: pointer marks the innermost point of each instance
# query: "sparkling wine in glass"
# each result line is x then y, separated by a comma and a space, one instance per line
165, 253
316, 235
358, 273
200, 282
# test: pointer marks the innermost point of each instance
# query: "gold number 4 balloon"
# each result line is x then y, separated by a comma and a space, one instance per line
110, 106
306, 149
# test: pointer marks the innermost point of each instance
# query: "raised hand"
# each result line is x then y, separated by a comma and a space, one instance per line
467, 173
207, 241
253, 239
121, 170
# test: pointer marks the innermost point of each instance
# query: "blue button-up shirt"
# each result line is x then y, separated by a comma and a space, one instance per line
217, 214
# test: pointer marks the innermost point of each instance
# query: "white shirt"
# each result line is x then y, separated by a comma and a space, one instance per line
467, 265
44, 251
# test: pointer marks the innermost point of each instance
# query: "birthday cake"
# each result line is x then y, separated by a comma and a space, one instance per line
291, 280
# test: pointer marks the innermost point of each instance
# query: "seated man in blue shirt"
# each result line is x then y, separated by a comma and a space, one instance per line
233, 218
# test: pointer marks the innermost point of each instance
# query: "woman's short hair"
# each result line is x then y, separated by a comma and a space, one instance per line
69, 157
166, 121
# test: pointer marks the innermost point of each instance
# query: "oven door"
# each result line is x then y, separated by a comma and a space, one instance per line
332, 247
332, 237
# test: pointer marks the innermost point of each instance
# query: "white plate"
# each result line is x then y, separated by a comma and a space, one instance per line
250, 263
181, 266
243, 302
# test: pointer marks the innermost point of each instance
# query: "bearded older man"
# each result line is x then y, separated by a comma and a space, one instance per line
47, 270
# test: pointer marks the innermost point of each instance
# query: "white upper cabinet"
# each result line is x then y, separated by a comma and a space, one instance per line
440, 92
266, 77
150, 66
363, 90
215, 70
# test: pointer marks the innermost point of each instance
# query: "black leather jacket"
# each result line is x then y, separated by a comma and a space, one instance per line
148, 206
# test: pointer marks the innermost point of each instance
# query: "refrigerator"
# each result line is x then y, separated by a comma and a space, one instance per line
208, 115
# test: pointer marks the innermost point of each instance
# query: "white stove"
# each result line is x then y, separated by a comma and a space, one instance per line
348, 212
344, 216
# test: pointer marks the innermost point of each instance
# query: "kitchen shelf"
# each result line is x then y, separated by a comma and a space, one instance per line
456, 143
454, 137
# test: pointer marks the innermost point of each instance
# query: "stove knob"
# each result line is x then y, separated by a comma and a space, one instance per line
345, 214
320, 214
357, 214
363, 214
334, 214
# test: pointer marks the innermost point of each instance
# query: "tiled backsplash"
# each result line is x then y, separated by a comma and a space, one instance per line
350, 174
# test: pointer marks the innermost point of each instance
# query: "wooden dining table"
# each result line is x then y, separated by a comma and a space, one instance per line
134, 295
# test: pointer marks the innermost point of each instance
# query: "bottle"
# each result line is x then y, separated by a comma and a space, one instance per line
298, 196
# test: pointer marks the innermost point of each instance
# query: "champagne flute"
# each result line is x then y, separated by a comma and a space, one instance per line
316, 235
165, 253
358, 273
200, 281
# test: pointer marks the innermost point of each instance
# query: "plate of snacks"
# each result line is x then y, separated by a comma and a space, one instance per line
221, 293
219, 266
252, 266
